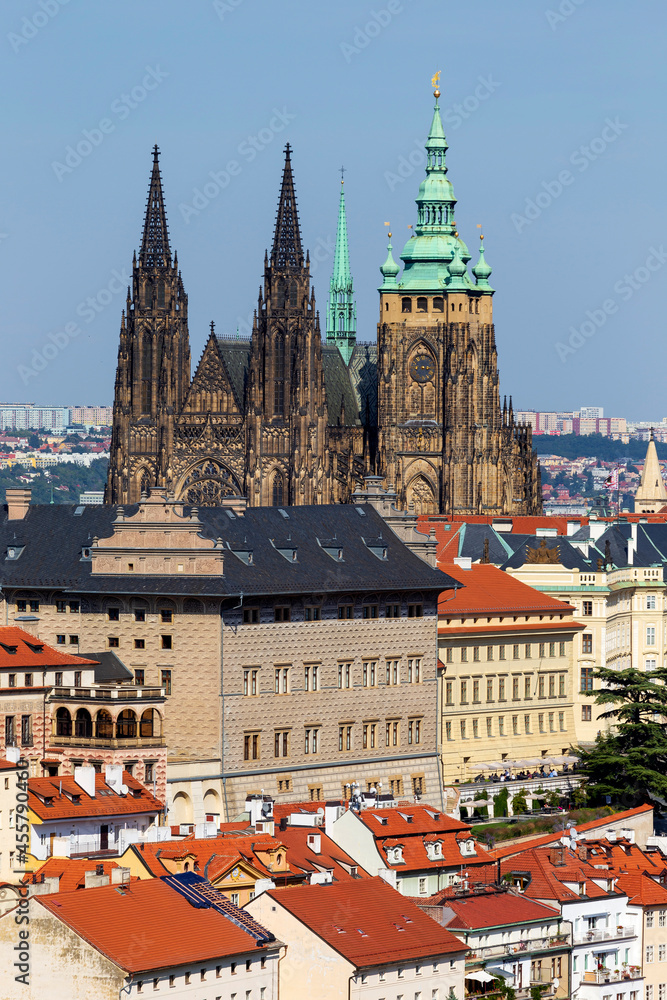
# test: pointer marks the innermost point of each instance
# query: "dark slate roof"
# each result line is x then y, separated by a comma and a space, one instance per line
339, 388
236, 357
109, 667
363, 372
53, 537
472, 538
569, 556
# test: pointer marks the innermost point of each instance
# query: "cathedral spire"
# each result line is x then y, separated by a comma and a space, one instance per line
287, 251
155, 250
341, 307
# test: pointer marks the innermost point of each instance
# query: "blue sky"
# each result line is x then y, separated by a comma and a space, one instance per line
555, 117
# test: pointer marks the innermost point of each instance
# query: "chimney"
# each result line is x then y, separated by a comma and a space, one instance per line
85, 779
332, 812
557, 855
113, 775
463, 562
236, 504
92, 880
45, 887
582, 851
120, 875
18, 501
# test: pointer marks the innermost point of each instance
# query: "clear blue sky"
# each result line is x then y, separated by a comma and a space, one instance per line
345, 83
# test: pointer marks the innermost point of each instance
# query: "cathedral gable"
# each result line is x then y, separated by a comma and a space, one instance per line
211, 389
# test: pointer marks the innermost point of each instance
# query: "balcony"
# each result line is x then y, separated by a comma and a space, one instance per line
557, 942
92, 742
604, 934
602, 976
109, 693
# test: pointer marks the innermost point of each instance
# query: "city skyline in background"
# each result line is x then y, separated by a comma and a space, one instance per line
544, 196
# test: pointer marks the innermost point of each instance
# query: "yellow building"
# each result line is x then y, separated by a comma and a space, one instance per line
506, 687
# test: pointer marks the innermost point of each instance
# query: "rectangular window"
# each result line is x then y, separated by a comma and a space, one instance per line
251, 616
650, 602
540, 722
61, 607
369, 611
166, 615
528, 651
282, 614
10, 731
311, 740
345, 612
165, 681
166, 641
312, 613
392, 672
526, 724
395, 734
501, 652
475, 692
649, 918
463, 729
464, 654
551, 722
77, 678
415, 610
515, 689
138, 643
139, 615
501, 725
561, 649
552, 685
475, 653
449, 655
58, 679
139, 678
344, 675
515, 725
526, 686
489, 653
475, 729
21, 607
649, 953
489, 726
281, 743
464, 692
501, 689
587, 643
543, 650
515, 652
662, 918
449, 692
74, 607
540, 686
414, 671
392, 611
650, 635
587, 608
561, 685
586, 713
26, 730
60, 640
113, 641
489, 689
251, 746
281, 675
552, 649
586, 679
448, 730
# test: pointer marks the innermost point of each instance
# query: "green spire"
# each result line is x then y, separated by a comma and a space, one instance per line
481, 270
341, 307
431, 249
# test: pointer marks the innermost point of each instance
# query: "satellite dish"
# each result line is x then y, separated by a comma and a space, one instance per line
320, 812
555, 983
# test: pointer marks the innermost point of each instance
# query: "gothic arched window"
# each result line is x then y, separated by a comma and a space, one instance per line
160, 294
293, 293
438, 304
146, 374
279, 374
422, 304
277, 490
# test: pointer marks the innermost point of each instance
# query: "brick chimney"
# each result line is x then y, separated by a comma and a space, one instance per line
18, 501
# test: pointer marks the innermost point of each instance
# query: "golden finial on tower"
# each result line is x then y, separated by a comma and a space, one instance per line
435, 80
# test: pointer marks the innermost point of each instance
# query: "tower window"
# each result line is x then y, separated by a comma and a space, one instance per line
406, 305
160, 294
293, 292
438, 304
277, 491
422, 304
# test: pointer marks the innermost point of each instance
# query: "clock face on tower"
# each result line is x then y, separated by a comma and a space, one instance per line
422, 368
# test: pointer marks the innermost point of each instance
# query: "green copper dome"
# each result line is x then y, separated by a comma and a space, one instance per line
481, 270
435, 244
389, 269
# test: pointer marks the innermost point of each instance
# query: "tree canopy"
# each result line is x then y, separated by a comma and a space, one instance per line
629, 763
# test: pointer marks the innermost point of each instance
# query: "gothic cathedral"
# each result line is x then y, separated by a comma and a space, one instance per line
286, 418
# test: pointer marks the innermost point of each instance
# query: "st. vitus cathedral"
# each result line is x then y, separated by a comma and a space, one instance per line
286, 418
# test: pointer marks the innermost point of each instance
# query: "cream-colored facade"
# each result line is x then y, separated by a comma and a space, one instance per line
12, 835
654, 952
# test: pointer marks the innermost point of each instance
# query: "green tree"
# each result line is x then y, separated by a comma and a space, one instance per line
500, 803
629, 763
519, 804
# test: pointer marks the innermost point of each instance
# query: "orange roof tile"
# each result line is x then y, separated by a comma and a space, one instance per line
32, 653
147, 925
412, 827
515, 847
330, 857
493, 908
107, 802
642, 890
367, 922
489, 590
70, 871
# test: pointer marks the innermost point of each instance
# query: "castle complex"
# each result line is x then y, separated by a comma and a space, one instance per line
288, 418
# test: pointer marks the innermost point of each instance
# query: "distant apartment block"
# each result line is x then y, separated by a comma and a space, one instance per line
27, 415
95, 416
588, 420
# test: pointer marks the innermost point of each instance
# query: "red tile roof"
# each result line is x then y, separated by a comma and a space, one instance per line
8, 765
32, 653
547, 879
422, 819
70, 871
367, 922
330, 857
489, 590
411, 827
516, 847
642, 890
147, 925
492, 909
105, 803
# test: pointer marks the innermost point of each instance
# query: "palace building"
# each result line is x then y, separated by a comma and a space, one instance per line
292, 418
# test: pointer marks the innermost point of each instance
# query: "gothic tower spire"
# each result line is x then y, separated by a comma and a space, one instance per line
155, 250
287, 251
341, 307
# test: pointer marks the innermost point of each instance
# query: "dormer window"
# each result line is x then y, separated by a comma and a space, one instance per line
395, 855
434, 849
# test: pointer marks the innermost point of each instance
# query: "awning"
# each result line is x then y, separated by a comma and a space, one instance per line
503, 973
480, 977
